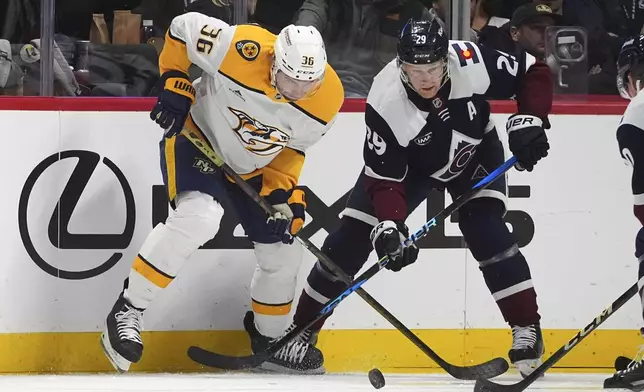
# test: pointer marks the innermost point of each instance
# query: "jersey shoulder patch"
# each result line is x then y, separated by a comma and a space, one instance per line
466, 52
388, 98
249, 57
468, 73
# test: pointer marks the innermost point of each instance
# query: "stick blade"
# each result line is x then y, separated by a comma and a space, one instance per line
492, 368
227, 362
483, 385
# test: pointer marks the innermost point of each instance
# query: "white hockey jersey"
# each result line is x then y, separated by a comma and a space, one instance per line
434, 135
630, 137
244, 118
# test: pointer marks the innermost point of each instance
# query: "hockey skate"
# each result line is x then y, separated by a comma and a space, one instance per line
527, 348
121, 340
299, 356
630, 378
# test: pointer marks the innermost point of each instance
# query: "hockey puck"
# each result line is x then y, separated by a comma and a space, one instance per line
376, 378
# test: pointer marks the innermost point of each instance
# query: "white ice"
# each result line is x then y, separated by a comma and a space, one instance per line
262, 382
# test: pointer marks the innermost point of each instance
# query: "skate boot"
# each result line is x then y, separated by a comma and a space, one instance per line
299, 356
622, 362
631, 378
527, 348
308, 336
121, 339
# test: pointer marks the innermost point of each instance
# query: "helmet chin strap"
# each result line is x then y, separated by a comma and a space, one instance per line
273, 72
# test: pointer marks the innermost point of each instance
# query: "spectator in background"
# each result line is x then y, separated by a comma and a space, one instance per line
360, 35
483, 15
615, 18
486, 28
439, 10
274, 15
19, 20
528, 26
491, 30
625, 18
603, 47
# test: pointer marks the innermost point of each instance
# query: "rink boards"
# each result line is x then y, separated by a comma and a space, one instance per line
82, 188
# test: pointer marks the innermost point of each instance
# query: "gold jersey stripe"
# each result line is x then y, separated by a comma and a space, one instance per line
271, 309
151, 273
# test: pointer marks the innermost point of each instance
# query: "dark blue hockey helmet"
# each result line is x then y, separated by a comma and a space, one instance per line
422, 42
631, 58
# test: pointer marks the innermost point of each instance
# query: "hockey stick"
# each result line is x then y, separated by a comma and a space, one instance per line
488, 369
483, 385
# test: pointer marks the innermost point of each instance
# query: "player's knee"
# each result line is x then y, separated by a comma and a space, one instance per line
479, 215
639, 244
197, 216
348, 247
279, 259
486, 234
481, 208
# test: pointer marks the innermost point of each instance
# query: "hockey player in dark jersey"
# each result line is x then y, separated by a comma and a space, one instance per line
428, 127
630, 138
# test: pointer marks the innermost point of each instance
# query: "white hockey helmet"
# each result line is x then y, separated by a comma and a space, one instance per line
299, 55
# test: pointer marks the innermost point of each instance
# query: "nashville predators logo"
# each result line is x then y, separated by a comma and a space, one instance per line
248, 49
259, 138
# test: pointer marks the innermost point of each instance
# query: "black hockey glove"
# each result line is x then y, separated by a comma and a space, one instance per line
527, 139
173, 103
387, 239
289, 218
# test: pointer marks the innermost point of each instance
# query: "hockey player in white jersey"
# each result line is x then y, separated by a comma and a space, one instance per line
428, 127
630, 138
262, 101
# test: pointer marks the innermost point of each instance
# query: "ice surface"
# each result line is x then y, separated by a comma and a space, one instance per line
262, 382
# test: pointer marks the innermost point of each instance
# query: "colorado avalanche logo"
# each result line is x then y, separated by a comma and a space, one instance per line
461, 152
259, 138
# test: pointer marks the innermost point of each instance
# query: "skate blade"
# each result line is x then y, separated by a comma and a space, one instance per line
269, 367
622, 388
119, 363
527, 366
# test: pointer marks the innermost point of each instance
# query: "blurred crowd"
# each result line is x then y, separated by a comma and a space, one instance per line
111, 47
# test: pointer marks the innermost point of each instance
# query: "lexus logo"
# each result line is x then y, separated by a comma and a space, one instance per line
58, 227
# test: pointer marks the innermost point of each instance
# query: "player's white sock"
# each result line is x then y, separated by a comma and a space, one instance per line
273, 286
